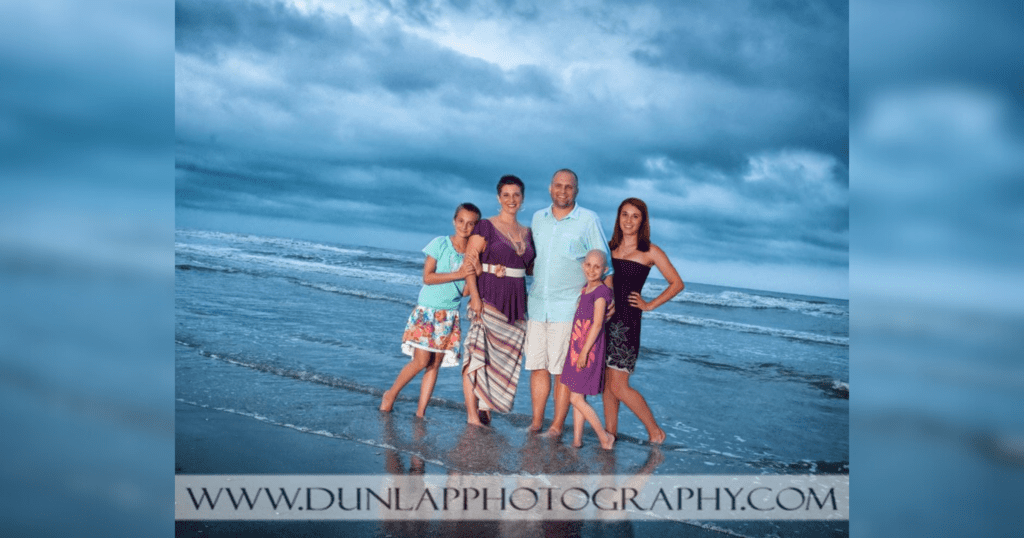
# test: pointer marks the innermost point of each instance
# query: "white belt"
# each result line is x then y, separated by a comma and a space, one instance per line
509, 271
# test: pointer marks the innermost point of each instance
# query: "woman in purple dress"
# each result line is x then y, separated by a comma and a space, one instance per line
583, 371
497, 306
633, 255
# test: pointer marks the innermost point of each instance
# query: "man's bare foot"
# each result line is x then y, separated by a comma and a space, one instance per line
607, 441
534, 427
552, 434
577, 444
658, 437
474, 421
387, 401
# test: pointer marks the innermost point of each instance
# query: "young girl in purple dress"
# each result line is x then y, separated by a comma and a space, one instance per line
583, 372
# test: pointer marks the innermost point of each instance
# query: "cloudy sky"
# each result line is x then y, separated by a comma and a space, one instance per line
368, 122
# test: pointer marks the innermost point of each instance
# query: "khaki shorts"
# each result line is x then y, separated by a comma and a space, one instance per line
547, 344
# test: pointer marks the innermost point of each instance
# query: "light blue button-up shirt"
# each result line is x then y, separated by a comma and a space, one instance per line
557, 271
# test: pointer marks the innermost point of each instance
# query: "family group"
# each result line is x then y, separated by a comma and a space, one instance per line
579, 324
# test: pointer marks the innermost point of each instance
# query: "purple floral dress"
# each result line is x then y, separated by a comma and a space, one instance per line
588, 379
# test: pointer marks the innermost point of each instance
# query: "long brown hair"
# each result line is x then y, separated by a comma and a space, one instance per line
643, 236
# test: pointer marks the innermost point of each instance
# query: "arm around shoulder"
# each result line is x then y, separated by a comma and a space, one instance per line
475, 247
431, 277
436, 250
477, 244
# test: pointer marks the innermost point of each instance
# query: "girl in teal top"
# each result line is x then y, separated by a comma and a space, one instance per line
432, 335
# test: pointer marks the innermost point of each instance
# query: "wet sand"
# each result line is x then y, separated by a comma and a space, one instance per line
216, 442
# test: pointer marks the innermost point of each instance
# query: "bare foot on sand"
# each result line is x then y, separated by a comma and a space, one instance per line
607, 441
388, 401
552, 434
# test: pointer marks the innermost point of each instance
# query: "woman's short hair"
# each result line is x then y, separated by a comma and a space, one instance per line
511, 180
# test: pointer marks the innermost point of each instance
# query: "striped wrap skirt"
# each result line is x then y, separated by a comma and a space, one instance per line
492, 353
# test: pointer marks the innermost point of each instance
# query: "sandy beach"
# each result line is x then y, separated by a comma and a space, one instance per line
209, 441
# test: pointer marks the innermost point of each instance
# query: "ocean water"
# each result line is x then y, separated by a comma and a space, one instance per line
307, 335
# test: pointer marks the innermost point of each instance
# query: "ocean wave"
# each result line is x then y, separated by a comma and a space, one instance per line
380, 255
288, 263
737, 299
205, 250
363, 294
806, 466
204, 268
752, 329
304, 429
830, 386
300, 375
296, 244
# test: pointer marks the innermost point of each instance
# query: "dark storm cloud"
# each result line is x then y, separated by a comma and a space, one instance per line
725, 238
428, 13
203, 27
372, 195
732, 117
404, 63
305, 52
328, 49
782, 207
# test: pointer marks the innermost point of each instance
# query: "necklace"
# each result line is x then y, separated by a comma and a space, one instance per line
519, 245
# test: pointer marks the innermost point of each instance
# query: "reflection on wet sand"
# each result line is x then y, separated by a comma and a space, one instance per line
544, 455
393, 464
479, 449
482, 452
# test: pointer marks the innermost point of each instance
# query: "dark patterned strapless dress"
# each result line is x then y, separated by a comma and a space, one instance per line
623, 330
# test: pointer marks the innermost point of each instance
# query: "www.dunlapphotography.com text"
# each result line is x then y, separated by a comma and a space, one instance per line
492, 497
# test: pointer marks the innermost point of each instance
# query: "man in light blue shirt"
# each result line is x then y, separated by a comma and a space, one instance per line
563, 233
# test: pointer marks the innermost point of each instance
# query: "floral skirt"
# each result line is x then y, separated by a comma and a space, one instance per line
433, 330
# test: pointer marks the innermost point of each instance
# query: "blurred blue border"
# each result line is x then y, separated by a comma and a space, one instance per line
86, 250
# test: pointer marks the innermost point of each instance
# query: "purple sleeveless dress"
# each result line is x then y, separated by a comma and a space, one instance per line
589, 379
624, 327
